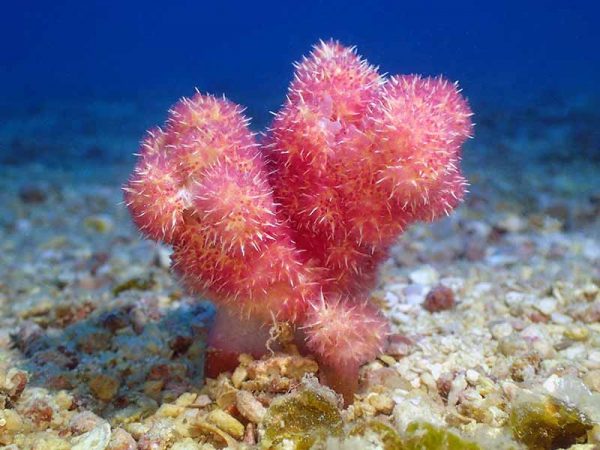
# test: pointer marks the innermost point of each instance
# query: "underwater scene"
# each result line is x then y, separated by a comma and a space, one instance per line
330, 225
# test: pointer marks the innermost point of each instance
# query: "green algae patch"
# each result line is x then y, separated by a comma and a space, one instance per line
139, 284
99, 224
300, 420
418, 436
547, 423
425, 436
388, 437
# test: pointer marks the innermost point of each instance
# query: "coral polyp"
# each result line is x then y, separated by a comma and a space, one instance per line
294, 227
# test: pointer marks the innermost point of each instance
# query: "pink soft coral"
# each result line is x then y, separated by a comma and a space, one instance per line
294, 228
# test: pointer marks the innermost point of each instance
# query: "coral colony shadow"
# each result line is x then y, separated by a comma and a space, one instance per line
109, 360
293, 226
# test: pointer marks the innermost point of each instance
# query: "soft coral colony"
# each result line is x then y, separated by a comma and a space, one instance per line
293, 227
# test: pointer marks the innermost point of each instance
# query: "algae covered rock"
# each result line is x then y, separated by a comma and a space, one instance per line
544, 422
300, 419
386, 435
417, 436
425, 436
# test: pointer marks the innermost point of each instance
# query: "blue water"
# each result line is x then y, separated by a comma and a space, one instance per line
59, 58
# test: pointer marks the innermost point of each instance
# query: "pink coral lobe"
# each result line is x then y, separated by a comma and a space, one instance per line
153, 193
345, 330
294, 227
345, 333
235, 209
421, 124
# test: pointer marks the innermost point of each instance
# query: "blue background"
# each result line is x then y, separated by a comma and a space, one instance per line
497, 50
80, 81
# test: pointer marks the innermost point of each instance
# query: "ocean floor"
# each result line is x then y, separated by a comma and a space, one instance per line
496, 314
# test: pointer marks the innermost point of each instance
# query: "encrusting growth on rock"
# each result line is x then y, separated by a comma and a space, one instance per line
294, 226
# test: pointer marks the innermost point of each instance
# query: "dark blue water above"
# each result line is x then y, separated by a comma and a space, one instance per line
246, 48
150, 51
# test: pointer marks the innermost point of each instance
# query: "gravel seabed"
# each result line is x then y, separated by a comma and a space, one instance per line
495, 308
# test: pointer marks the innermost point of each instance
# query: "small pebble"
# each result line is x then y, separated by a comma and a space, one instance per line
104, 387
95, 439
577, 333
121, 440
239, 375
250, 434
162, 257
560, 319
501, 330
399, 345
99, 223
226, 422
511, 223
83, 422
590, 291
440, 298
426, 275
472, 376
546, 305
250, 407
574, 352
32, 193
592, 380
594, 358
383, 404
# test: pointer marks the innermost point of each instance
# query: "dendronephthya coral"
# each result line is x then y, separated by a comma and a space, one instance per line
293, 226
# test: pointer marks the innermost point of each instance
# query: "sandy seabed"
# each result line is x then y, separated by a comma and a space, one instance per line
495, 310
